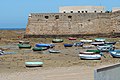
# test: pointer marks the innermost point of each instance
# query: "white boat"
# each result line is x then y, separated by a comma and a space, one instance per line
99, 39
33, 64
24, 42
88, 46
98, 43
105, 48
90, 56
86, 41
54, 51
1, 52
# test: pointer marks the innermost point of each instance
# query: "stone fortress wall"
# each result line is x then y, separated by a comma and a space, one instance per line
73, 23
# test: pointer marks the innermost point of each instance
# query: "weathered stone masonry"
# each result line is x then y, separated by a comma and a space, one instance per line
73, 23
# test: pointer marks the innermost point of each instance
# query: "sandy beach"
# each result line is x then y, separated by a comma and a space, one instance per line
62, 66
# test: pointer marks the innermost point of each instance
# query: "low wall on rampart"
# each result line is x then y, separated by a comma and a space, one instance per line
73, 23
110, 72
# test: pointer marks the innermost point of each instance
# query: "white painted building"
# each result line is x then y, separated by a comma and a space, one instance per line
114, 9
82, 9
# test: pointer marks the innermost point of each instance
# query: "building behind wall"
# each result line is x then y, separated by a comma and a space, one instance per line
114, 9
82, 9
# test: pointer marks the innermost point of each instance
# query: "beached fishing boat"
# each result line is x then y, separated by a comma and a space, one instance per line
54, 51
92, 50
99, 40
78, 44
88, 46
98, 43
89, 56
33, 64
72, 38
1, 52
39, 48
44, 45
105, 48
113, 43
68, 45
86, 41
24, 45
24, 42
57, 40
115, 53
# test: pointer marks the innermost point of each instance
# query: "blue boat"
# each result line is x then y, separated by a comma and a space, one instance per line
68, 45
115, 53
44, 45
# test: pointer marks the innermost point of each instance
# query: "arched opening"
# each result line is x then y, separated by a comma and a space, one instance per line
57, 17
70, 17
46, 17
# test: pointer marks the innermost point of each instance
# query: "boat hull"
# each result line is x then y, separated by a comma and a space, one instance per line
115, 54
33, 64
68, 45
90, 57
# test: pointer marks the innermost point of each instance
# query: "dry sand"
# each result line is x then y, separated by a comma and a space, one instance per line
65, 65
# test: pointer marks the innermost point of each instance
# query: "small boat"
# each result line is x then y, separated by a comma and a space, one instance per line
95, 51
39, 48
33, 64
24, 45
115, 53
78, 44
54, 51
72, 38
24, 42
86, 41
105, 48
98, 43
57, 40
1, 52
68, 45
113, 43
88, 46
99, 40
44, 45
90, 56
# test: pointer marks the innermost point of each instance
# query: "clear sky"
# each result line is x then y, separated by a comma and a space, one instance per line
14, 13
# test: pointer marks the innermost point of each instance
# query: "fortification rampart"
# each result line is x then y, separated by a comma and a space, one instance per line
73, 23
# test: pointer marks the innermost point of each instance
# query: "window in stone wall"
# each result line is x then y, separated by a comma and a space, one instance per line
78, 11
101, 11
70, 17
85, 11
82, 11
95, 11
46, 17
64, 12
71, 11
57, 17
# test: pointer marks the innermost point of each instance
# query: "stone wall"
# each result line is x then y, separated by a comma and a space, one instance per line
73, 23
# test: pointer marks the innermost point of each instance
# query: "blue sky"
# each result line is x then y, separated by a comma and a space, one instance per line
14, 13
